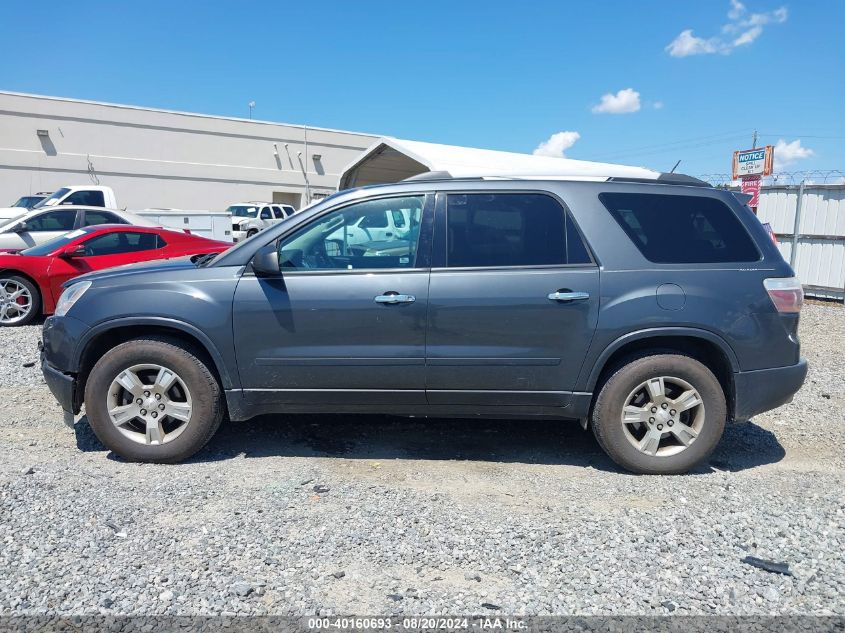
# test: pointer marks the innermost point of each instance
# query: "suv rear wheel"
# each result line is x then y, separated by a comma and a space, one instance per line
151, 400
660, 414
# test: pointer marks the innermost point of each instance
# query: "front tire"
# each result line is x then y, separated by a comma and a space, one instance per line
20, 301
153, 400
251, 232
661, 414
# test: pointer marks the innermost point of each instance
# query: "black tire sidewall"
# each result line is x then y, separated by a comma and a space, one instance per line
607, 412
35, 293
206, 403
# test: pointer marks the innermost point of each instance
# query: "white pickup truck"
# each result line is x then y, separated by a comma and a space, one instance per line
82, 195
248, 218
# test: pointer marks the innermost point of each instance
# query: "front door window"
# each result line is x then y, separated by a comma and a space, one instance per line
354, 237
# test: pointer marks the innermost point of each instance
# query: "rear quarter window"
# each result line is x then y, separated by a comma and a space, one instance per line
672, 229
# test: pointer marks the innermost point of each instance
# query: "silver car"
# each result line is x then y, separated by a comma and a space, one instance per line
42, 225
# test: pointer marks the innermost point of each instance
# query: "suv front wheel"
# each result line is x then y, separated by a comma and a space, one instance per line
660, 414
152, 400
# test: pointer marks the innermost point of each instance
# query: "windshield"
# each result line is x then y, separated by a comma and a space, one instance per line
53, 199
243, 212
48, 247
27, 201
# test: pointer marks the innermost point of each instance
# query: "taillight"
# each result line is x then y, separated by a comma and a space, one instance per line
785, 292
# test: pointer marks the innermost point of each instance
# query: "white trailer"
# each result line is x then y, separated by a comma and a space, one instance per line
216, 225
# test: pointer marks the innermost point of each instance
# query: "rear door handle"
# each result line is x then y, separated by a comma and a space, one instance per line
566, 296
393, 297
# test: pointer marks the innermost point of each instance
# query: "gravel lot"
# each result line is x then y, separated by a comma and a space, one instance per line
305, 515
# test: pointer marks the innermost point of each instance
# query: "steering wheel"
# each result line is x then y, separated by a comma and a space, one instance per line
318, 258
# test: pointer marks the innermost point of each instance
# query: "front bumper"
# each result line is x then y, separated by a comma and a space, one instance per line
766, 389
238, 236
58, 359
62, 386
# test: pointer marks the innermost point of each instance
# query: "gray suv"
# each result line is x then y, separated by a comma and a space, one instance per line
652, 311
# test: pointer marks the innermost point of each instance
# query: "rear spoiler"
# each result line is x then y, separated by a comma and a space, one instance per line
744, 198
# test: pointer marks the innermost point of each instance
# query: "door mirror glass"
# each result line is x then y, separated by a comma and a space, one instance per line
265, 263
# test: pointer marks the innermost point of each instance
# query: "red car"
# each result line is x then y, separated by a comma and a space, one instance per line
31, 280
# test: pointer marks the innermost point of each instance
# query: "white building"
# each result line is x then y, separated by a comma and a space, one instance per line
160, 158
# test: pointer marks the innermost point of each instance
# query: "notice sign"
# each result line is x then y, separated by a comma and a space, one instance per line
753, 162
751, 186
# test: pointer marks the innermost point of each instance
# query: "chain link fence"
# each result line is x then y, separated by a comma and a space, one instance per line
808, 177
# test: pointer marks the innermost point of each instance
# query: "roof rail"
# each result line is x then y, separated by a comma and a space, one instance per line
665, 178
429, 175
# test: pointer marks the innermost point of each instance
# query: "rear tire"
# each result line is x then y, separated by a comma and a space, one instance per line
15, 313
153, 400
661, 414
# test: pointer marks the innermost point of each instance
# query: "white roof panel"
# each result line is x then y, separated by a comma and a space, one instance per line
464, 162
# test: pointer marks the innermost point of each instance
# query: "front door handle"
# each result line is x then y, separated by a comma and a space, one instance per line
566, 296
394, 297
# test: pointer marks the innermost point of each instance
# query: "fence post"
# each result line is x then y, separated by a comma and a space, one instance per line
793, 254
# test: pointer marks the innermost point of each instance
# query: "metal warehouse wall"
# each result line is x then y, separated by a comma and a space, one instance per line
811, 234
157, 158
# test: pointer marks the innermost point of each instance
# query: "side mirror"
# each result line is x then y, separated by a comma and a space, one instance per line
73, 251
265, 263
21, 227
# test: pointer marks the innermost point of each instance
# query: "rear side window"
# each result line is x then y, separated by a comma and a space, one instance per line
671, 229
520, 229
93, 218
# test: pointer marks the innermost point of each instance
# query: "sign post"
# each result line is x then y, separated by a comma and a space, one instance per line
751, 165
751, 186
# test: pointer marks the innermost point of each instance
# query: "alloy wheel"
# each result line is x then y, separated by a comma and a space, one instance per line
663, 416
15, 301
149, 404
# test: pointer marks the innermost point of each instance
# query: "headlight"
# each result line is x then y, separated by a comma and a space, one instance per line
70, 296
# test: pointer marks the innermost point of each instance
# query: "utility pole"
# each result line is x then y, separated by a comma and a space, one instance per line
305, 169
252, 106
754, 140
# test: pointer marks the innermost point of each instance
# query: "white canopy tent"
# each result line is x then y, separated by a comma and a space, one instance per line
393, 159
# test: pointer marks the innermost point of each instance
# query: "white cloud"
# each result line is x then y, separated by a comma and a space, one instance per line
624, 101
687, 44
657, 105
748, 36
557, 144
737, 10
741, 30
788, 153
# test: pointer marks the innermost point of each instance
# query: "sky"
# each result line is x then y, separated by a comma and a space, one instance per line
646, 82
